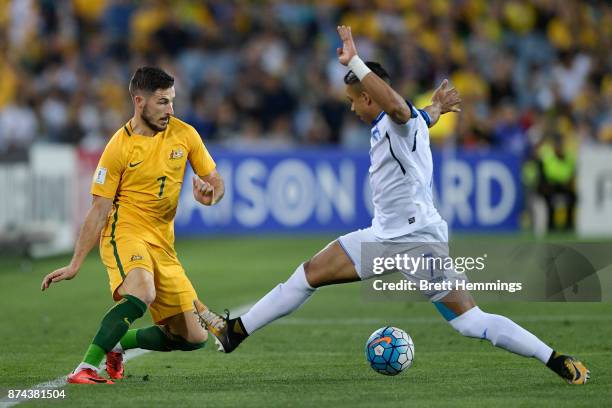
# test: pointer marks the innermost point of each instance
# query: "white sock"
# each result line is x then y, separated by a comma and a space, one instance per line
501, 332
118, 348
280, 301
83, 366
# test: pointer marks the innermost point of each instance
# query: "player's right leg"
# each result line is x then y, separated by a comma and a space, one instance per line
136, 293
332, 265
460, 310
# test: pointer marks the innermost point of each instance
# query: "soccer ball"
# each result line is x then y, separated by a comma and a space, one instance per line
389, 350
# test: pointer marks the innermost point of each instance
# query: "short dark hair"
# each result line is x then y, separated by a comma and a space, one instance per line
150, 79
350, 78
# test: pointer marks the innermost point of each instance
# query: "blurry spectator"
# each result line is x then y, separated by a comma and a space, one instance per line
273, 62
172, 37
91, 122
502, 88
354, 134
248, 136
535, 204
201, 115
508, 134
332, 109
318, 133
54, 112
8, 73
18, 124
558, 171
276, 100
603, 120
570, 75
280, 134
23, 19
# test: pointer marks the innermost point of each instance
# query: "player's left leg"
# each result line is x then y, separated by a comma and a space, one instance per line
179, 332
186, 326
460, 310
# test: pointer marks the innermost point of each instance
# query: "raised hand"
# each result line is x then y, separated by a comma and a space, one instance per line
348, 49
446, 98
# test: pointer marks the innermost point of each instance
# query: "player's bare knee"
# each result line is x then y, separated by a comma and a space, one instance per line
196, 336
148, 295
146, 292
306, 266
139, 283
313, 272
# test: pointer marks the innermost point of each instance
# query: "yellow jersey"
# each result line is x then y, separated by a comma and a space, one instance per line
144, 175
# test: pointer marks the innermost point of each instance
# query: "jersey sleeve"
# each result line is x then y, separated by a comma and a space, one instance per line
110, 168
201, 161
425, 116
402, 129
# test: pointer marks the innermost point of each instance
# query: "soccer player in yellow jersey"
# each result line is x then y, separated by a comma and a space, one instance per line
135, 190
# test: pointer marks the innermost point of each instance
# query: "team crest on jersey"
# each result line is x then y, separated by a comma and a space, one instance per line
176, 154
376, 134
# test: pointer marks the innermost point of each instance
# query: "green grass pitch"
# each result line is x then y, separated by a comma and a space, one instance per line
311, 358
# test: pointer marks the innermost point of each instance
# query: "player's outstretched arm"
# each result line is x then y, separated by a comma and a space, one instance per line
88, 237
209, 189
390, 101
444, 99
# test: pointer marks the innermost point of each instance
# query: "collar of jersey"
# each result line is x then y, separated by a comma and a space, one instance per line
130, 132
378, 118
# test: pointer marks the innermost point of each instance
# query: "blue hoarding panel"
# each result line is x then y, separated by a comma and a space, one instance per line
328, 190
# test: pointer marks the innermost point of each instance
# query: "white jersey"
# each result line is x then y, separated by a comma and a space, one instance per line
401, 176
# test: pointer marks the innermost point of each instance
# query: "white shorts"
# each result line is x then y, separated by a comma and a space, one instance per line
431, 240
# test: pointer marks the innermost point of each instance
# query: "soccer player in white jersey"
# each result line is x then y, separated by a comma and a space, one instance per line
400, 178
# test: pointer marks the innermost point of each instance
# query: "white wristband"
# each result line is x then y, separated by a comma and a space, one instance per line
359, 68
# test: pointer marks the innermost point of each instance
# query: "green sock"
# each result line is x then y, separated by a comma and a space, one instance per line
129, 341
113, 327
154, 338
94, 355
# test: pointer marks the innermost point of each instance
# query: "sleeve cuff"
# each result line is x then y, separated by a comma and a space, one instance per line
425, 116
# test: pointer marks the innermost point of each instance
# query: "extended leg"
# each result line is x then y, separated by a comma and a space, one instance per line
459, 308
329, 266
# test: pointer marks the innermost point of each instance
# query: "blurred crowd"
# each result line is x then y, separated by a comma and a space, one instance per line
535, 75
264, 74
